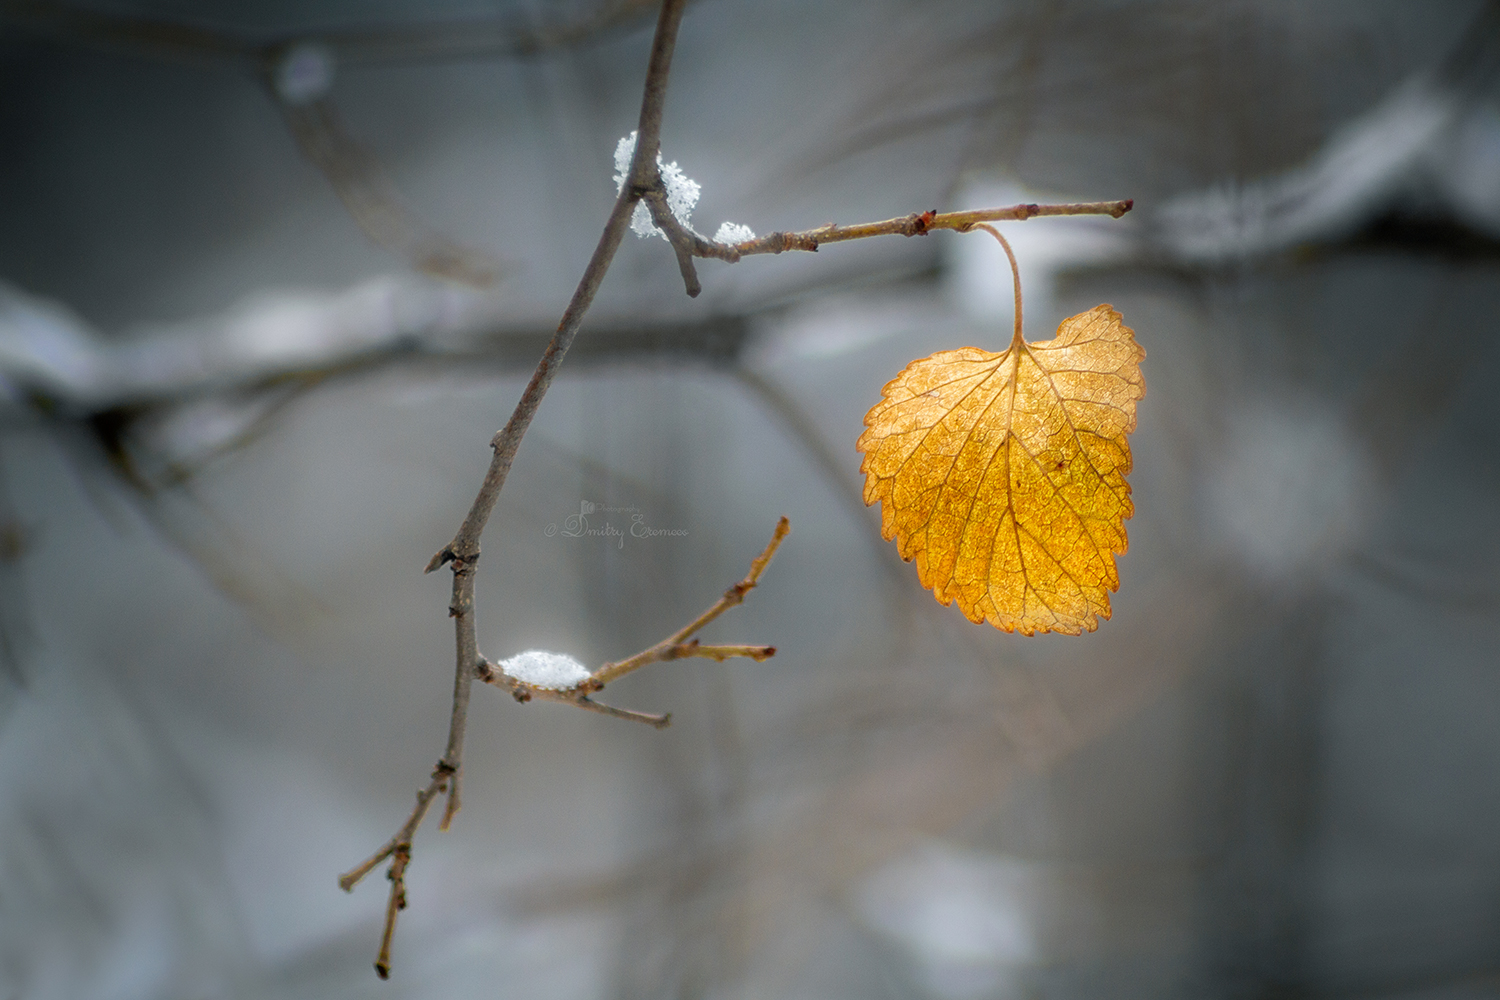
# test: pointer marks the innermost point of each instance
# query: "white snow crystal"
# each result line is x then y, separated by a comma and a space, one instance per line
624, 153
733, 232
540, 668
641, 221
682, 191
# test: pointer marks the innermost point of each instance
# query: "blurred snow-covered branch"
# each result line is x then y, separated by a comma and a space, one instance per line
1430, 148
47, 350
1420, 134
181, 393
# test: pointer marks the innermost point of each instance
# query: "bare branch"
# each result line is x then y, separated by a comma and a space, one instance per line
655, 721
643, 174
685, 243
679, 645
395, 904
466, 643
734, 595
351, 878
398, 849
578, 695
372, 200
916, 224
463, 551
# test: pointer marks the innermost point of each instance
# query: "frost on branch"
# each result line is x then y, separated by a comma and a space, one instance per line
543, 669
733, 232
682, 197
682, 191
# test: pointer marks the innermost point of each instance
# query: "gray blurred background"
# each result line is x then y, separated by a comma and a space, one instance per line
251, 357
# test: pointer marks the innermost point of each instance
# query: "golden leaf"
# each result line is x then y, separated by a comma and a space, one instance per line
1003, 475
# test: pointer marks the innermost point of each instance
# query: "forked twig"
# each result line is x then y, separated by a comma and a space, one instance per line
676, 645
679, 645
463, 551
643, 182
398, 848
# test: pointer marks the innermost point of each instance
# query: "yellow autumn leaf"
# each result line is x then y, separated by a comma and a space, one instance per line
1003, 475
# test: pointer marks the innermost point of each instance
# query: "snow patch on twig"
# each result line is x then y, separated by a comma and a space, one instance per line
543, 669
733, 232
682, 191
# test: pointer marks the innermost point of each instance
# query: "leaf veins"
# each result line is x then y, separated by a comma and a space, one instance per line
1003, 475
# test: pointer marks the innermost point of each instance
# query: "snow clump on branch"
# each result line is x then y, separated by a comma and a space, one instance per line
682, 191
733, 232
543, 669
682, 196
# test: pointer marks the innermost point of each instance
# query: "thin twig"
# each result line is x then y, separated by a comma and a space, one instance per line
717, 653
679, 645
351, 878
395, 904
686, 244
370, 195
916, 224
654, 721
398, 849
734, 595
463, 551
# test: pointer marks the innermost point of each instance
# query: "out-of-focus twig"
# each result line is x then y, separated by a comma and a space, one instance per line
394, 43
16, 541
371, 198
355, 174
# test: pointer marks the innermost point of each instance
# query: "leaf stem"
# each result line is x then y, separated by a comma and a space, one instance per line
1015, 272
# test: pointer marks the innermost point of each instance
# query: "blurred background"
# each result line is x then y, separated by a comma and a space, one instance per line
272, 273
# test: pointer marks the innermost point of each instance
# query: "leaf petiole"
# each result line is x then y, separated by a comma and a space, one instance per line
1015, 272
